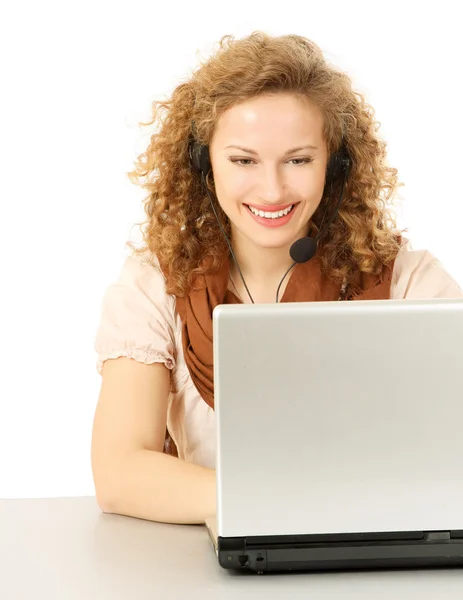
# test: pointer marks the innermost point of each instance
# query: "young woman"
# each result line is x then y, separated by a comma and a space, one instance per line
267, 144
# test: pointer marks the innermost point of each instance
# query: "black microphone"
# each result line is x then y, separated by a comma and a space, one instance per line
303, 249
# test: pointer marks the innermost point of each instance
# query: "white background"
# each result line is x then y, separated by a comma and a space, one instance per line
76, 77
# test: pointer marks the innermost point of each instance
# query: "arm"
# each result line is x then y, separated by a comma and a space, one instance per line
131, 474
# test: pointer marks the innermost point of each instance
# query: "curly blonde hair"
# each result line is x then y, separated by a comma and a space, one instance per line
181, 229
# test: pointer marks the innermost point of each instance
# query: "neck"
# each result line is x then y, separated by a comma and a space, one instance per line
261, 266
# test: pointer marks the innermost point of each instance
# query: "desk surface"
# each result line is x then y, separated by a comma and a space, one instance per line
66, 548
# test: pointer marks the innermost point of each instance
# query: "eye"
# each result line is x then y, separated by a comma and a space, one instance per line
304, 160
240, 161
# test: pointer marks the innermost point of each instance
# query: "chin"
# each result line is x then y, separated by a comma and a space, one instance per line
273, 242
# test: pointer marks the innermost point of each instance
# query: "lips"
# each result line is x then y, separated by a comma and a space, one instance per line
268, 221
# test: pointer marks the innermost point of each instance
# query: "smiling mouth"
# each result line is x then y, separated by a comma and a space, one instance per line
268, 214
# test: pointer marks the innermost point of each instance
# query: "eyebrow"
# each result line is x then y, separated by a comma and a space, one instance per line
249, 151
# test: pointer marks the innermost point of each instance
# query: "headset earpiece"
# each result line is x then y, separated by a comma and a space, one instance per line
199, 157
338, 165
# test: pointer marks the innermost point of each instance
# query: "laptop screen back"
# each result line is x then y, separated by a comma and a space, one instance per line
339, 417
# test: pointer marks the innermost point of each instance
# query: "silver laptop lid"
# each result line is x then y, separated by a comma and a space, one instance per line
339, 417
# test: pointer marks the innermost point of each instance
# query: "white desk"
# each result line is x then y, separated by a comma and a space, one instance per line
66, 549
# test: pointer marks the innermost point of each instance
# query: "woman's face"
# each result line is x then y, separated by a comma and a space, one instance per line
268, 181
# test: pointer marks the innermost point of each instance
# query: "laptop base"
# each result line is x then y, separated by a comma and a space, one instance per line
322, 552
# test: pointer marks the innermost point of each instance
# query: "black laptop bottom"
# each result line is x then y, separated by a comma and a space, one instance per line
321, 552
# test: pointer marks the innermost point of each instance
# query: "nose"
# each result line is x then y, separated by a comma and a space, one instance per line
272, 186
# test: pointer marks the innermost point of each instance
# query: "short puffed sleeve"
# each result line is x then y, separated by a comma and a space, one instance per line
419, 274
137, 317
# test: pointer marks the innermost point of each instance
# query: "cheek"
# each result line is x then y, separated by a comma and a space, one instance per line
312, 189
231, 188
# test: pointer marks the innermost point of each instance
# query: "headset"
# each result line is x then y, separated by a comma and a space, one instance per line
302, 249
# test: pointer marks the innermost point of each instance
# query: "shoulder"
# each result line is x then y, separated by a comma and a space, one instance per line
137, 316
142, 273
136, 301
419, 274
142, 264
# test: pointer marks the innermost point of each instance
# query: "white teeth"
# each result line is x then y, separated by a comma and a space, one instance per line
271, 215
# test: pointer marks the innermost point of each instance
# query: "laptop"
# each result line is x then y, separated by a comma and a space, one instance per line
339, 435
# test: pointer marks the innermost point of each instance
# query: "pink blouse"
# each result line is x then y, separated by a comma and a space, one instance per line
139, 320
